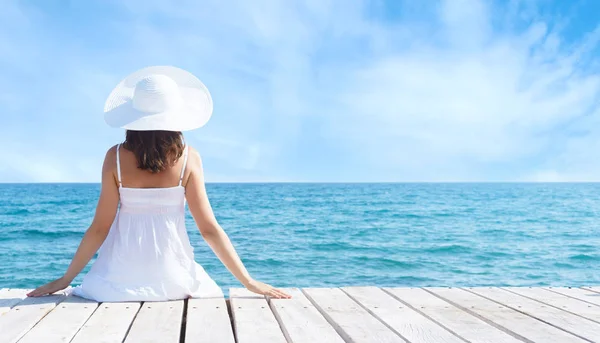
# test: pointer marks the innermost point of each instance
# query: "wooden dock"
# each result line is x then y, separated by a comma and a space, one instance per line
328, 315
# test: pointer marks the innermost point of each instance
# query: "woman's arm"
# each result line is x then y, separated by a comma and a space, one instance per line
212, 232
106, 211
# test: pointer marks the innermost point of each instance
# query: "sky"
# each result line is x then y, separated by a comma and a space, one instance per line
315, 90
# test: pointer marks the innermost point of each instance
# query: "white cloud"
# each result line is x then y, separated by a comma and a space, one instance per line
448, 105
41, 168
329, 90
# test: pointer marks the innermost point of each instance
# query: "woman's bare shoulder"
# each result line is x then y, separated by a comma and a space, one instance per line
112, 151
194, 158
110, 159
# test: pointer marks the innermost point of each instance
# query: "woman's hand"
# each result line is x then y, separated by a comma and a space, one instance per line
264, 289
51, 287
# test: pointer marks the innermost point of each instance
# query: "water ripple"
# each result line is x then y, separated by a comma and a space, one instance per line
325, 235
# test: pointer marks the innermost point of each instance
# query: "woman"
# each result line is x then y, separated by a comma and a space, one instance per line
144, 253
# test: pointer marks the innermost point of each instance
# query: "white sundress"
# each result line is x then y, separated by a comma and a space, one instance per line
147, 255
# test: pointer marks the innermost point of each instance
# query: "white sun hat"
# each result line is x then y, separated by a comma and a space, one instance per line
159, 98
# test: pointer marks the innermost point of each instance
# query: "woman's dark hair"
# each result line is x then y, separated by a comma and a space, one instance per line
154, 151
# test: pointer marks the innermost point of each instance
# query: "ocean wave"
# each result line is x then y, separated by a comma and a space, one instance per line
341, 246
383, 262
16, 212
493, 231
585, 257
443, 214
37, 233
266, 262
67, 202
331, 246
584, 247
408, 216
449, 249
564, 265
410, 280
492, 254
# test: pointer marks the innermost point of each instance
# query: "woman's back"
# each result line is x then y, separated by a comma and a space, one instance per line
147, 255
134, 177
151, 193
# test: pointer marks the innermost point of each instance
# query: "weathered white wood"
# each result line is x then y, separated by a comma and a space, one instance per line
521, 325
559, 301
592, 288
349, 319
533, 318
577, 293
63, 322
451, 317
300, 321
157, 322
413, 326
252, 318
21, 318
10, 297
108, 324
566, 321
208, 322
597, 288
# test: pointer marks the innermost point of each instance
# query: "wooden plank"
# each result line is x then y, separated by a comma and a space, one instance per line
250, 312
109, 324
412, 325
595, 289
157, 322
559, 301
463, 324
566, 321
300, 321
577, 293
348, 318
63, 322
18, 321
208, 322
10, 297
518, 324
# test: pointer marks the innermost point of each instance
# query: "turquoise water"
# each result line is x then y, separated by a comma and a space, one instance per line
344, 234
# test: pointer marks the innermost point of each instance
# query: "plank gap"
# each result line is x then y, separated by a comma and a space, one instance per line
375, 315
183, 321
572, 296
84, 323
529, 315
327, 317
132, 321
423, 314
350, 320
279, 321
231, 321
475, 314
589, 289
562, 308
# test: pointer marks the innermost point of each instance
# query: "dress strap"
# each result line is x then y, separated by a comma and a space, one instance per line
119, 166
185, 158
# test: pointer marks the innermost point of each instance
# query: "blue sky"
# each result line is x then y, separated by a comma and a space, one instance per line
315, 90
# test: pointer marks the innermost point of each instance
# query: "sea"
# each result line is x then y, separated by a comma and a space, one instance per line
328, 235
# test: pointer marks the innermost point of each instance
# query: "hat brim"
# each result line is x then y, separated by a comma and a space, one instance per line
195, 111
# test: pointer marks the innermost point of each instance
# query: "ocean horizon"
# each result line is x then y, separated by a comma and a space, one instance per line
303, 234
